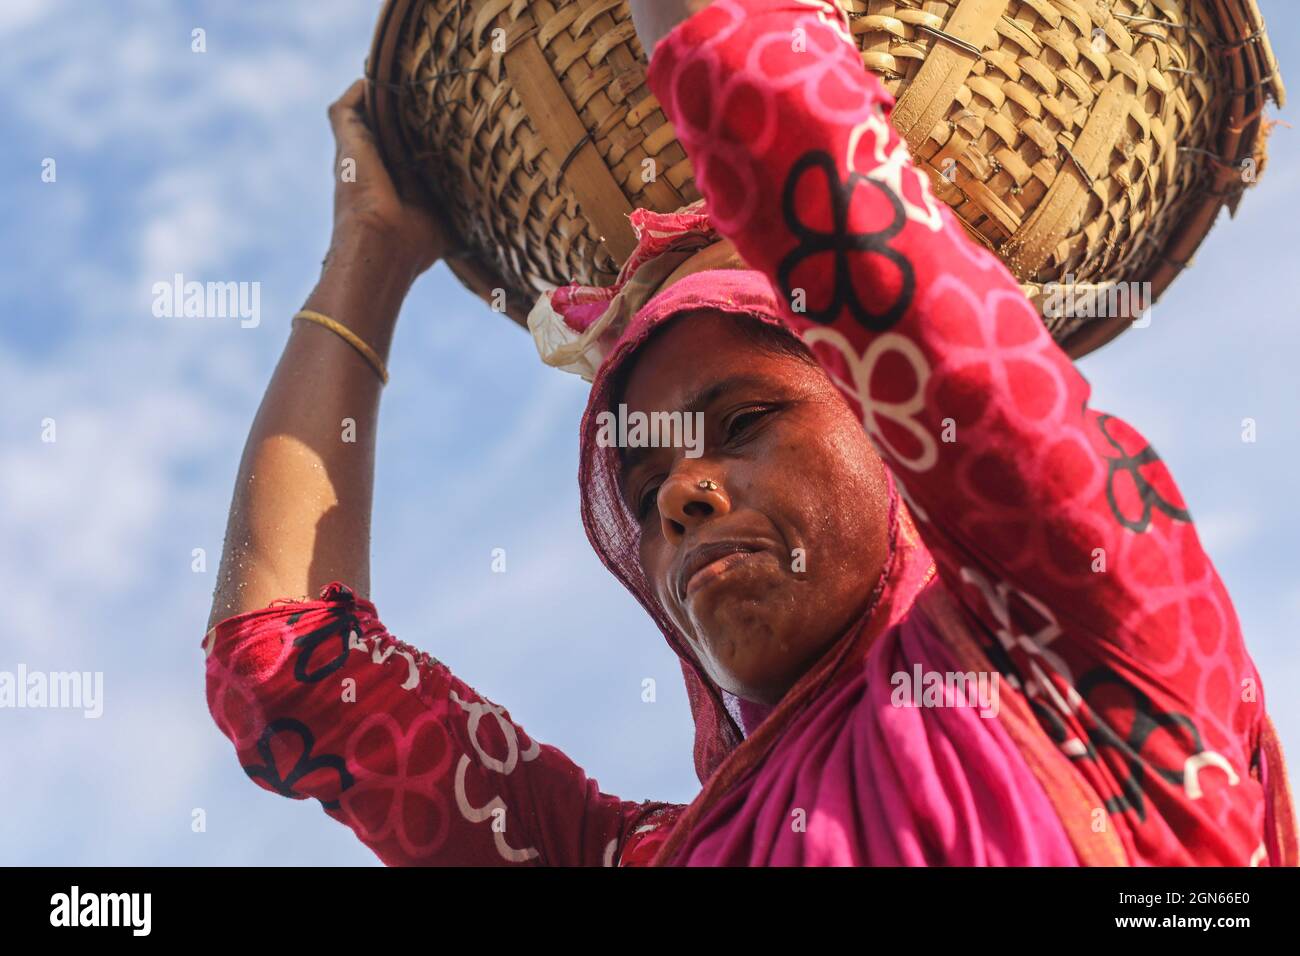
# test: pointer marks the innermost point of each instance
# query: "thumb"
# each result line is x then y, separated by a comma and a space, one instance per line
351, 134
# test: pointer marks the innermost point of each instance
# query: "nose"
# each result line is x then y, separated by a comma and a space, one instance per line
687, 499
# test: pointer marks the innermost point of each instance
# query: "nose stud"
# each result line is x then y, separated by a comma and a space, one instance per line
706, 484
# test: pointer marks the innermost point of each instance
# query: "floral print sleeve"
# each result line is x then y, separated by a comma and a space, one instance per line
321, 701
1056, 525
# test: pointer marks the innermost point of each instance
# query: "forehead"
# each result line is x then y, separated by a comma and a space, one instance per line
691, 358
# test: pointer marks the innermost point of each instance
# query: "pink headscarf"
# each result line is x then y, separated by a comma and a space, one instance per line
592, 332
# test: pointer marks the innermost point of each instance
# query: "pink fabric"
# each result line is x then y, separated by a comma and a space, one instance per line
855, 781
657, 233
922, 785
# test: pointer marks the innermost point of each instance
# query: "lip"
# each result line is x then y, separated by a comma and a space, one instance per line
709, 560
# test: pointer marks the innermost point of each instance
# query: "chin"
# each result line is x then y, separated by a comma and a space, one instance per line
760, 659
755, 651
739, 612
759, 677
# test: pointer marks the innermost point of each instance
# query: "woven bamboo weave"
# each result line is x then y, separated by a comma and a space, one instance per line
1090, 139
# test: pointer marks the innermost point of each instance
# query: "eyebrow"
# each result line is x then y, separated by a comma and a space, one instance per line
697, 401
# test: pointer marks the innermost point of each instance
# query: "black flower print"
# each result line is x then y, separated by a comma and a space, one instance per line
306, 764
1146, 719
1134, 506
341, 628
841, 243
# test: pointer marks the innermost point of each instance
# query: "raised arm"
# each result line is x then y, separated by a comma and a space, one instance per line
300, 517
318, 698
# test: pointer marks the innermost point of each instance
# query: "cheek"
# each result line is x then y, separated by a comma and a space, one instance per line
822, 488
653, 555
648, 554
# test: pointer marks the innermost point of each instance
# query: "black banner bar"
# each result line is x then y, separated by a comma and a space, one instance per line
338, 907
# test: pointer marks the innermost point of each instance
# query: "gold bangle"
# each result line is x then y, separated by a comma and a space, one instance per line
347, 335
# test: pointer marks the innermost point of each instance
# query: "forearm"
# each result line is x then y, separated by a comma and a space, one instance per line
300, 517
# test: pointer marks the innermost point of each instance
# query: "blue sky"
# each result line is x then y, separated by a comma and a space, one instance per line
217, 166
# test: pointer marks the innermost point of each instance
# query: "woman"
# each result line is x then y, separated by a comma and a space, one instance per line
980, 630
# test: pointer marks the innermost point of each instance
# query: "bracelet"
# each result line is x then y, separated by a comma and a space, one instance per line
347, 335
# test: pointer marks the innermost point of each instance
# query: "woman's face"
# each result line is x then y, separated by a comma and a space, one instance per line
766, 546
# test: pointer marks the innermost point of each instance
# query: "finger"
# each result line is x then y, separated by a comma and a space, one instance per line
350, 101
347, 116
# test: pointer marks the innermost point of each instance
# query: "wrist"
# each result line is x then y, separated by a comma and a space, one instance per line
363, 283
374, 254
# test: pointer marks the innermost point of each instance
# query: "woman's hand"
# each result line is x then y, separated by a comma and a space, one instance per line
369, 211
654, 19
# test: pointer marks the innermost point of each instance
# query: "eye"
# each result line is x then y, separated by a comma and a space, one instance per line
746, 420
646, 502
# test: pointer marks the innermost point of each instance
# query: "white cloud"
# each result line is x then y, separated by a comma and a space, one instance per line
17, 15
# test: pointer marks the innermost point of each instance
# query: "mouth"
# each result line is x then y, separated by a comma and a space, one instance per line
708, 562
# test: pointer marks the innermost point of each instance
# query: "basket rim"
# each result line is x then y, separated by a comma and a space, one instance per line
1236, 143
382, 111
1198, 220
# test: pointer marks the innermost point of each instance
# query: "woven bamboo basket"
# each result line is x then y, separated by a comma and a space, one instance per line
1093, 139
